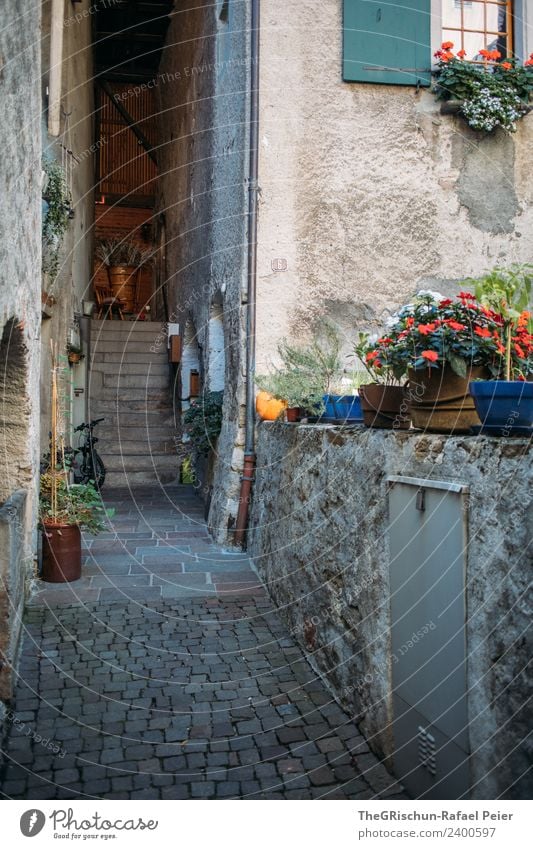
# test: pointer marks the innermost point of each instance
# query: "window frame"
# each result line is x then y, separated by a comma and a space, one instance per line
510, 9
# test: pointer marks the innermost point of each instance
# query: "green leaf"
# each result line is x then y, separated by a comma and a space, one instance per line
457, 363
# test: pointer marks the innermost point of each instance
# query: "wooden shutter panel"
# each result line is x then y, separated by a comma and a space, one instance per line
387, 42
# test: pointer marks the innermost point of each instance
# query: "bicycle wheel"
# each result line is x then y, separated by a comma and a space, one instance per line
98, 470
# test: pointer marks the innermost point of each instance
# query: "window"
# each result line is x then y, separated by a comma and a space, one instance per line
475, 25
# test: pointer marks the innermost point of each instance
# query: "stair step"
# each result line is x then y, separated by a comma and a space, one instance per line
135, 462
132, 381
130, 433
130, 480
102, 326
144, 396
161, 405
127, 356
126, 367
137, 447
117, 345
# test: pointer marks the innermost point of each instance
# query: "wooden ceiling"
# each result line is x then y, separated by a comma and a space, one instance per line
129, 37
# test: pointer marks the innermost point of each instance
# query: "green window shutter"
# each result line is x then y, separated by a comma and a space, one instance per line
387, 42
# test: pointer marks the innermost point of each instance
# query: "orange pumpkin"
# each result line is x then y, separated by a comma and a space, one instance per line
269, 408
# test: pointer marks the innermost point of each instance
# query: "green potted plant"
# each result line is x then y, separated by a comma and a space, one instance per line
493, 92
383, 400
123, 259
65, 510
307, 373
505, 402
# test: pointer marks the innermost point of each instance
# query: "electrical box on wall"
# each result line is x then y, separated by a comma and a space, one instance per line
428, 545
174, 349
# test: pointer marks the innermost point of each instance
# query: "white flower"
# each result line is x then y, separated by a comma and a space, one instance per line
428, 293
392, 321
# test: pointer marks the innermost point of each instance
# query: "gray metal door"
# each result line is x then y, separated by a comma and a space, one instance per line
428, 539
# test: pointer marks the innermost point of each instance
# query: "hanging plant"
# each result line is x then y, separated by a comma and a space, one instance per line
56, 217
203, 422
493, 93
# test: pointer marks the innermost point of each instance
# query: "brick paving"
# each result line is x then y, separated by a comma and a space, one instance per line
165, 673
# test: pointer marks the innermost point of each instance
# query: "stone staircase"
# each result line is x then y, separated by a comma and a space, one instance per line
129, 384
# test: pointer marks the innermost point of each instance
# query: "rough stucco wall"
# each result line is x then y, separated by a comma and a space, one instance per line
202, 97
75, 272
20, 280
367, 190
319, 538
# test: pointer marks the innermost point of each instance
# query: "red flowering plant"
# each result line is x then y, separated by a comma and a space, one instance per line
507, 292
434, 331
494, 91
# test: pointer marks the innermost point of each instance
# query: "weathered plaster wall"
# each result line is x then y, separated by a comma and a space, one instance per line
368, 191
202, 154
20, 303
319, 538
77, 134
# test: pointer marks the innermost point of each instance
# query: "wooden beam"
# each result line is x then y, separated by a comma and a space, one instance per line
130, 121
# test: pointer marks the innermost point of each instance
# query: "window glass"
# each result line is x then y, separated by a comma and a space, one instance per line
475, 25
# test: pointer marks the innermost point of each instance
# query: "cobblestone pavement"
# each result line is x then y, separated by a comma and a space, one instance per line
182, 685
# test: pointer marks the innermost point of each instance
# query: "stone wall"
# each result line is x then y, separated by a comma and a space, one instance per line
20, 301
203, 103
73, 282
367, 191
320, 541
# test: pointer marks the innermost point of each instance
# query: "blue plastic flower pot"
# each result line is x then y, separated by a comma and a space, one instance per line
503, 403
343, 408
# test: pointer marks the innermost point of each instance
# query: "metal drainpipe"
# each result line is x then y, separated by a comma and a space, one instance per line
253, 188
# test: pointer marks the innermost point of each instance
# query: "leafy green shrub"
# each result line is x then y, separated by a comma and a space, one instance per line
203, 421
55, 221
76, 504
308, 372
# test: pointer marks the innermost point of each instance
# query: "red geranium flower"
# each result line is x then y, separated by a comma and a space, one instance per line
431, 356
455, 325
447, 45
445, 303
521, 353
410, 321
424, 329
482, 331
461, 54
466, 296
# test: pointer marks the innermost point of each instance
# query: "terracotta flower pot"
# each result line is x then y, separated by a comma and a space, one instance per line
74, 358
439, 399
123, 282
384, 406
61, 553
293, 414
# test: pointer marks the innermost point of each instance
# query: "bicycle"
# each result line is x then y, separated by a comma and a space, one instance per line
87, 464
84, 461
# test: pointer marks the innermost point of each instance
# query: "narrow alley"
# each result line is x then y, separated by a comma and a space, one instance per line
166, 673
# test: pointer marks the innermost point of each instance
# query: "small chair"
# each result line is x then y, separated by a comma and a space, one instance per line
106, 302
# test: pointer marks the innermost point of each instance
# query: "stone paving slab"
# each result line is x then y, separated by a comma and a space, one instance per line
187, 687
